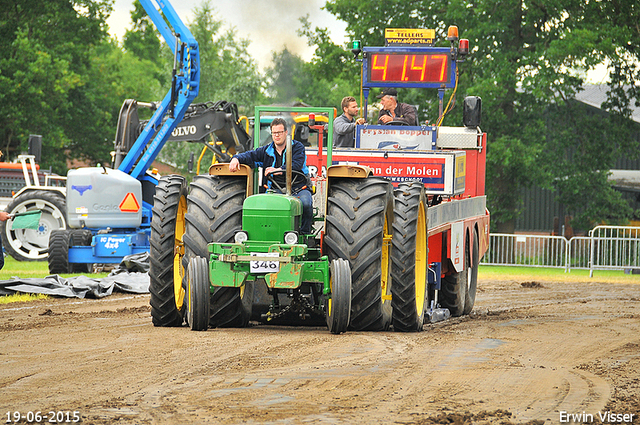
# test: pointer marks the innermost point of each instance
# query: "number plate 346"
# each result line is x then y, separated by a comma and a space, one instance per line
265, 266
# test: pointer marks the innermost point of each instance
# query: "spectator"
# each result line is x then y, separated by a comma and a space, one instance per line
4, 216
344, 127
392, 110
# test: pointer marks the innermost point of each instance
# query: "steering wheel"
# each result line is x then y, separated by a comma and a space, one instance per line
294, 175
397, 122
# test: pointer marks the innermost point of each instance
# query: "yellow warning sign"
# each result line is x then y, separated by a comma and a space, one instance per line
408, 37
129, 203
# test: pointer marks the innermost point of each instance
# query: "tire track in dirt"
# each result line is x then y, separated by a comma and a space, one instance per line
525, 354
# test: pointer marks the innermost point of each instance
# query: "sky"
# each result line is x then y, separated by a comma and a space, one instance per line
269, 25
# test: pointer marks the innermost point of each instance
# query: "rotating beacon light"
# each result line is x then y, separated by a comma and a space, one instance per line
463, 49
452, 33
356, 47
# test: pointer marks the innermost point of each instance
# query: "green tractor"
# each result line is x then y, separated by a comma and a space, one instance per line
224, 253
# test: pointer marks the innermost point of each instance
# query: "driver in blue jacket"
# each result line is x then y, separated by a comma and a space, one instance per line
271, 157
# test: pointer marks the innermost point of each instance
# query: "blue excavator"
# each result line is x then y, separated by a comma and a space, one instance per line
109, 210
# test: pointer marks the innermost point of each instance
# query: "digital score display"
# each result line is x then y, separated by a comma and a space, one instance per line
409, 68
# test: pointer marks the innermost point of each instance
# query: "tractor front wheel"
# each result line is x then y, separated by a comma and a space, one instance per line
338, 307
214, 214
198, 293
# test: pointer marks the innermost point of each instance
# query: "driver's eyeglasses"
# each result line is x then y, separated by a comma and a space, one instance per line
277, 133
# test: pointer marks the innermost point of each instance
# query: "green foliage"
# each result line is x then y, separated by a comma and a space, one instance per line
324, 81
45, 52
527, 58
545, 274
142, 40
35, 269
63, 78
582, 146
228, 73
508, 157
21, 298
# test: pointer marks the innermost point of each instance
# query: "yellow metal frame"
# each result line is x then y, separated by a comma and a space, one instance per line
178, 253
222, 169
386, 260
351, 171
421, 259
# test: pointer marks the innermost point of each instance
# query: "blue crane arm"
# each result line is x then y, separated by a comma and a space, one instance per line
184, 88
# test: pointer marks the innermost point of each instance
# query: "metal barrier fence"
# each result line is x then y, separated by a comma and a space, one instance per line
614, 247
526, 250
606, 247
579, 253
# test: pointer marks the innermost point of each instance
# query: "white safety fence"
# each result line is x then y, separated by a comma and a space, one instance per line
606, 247
614, 247
526, 250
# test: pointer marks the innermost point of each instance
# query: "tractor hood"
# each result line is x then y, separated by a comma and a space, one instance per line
266, 216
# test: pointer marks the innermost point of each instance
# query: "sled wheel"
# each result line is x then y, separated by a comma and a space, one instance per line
471, 263
453, 291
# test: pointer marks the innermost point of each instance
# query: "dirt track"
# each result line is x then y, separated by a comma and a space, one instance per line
528, 352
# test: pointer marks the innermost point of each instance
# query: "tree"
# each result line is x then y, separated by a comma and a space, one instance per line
45, 53
285, 77
526, 57
227, 72
142, 40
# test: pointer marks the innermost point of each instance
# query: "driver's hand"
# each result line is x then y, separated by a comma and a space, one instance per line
234, 165
386, 118
269, 170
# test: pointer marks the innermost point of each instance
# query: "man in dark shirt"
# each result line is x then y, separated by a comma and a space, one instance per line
271, 157
344, 127
392, 110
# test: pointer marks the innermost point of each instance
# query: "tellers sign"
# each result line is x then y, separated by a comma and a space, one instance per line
396, 67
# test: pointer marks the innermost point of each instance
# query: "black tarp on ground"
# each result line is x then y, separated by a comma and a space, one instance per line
130, 276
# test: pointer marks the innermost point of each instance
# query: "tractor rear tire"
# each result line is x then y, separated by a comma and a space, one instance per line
214, 214
33, 244
409, 257
167, 229
59, 252
358, 227
338, 307
472, 273
81, 237
198, 294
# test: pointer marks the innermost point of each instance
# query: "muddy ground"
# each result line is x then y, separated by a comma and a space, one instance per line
529, 353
